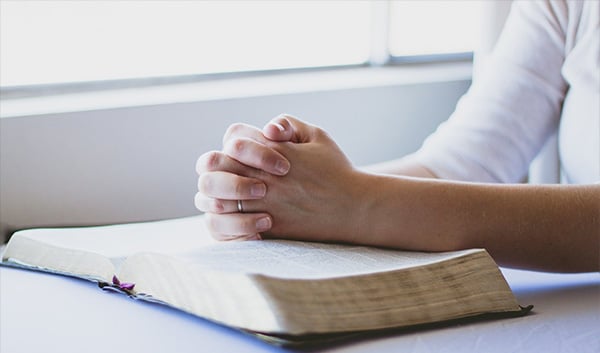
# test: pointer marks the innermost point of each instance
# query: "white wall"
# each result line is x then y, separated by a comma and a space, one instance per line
137, 163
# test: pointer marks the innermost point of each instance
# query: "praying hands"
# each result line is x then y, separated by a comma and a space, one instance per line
290, 180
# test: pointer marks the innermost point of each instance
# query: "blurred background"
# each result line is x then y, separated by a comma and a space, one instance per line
106, 105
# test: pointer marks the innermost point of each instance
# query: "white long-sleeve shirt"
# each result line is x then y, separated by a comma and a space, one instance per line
543, 77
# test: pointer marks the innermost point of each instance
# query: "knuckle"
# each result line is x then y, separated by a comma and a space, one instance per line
213, 160
218, 206
208, 161
266, 159
232, 130
239, 189
237, 146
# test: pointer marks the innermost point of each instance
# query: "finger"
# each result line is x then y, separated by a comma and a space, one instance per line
211, 205
243, 130
214, 161
297, 130
279, 129
228, 186
237, 224
241, 137
254, 154
223, 237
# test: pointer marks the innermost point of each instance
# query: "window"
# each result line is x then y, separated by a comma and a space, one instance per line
419, 28
50, 42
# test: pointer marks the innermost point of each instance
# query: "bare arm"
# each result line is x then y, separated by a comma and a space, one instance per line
552, 228
545, 227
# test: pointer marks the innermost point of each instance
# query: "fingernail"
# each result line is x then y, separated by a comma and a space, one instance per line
263, 224
279, 127
258, 190
282, 167
255, 237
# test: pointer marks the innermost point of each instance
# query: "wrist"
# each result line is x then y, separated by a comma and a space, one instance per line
392, 211
358, 218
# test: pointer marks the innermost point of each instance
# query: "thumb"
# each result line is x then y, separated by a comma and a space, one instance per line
286, 128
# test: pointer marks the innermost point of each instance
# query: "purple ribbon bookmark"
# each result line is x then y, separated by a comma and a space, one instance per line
122, 285
118, 286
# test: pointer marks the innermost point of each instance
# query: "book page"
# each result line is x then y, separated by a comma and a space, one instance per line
307, 260
119, 241
189, 240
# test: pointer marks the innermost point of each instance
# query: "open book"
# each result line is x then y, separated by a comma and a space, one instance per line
272, 287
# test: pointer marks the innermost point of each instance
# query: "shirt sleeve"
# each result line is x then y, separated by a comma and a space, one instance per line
508, 113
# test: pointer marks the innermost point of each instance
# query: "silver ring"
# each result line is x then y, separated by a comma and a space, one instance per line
240, 207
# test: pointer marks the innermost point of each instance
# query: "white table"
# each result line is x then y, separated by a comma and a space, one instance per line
48, 313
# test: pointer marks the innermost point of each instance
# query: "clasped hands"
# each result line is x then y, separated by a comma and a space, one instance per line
291, 177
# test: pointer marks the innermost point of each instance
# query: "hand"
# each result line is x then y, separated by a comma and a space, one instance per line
224, 180
321, 197
310, 202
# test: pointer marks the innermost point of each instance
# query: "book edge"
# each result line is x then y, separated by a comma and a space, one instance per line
326, 340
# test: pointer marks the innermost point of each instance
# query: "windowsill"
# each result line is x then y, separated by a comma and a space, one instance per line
236, 88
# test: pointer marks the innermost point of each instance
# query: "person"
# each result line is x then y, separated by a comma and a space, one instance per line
461, 189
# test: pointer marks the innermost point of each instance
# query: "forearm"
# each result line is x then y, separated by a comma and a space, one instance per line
554, 228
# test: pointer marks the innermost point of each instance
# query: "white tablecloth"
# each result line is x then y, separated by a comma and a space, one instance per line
48, 313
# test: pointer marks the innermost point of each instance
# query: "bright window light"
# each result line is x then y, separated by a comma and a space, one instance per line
54, 42
44, 42
433, 27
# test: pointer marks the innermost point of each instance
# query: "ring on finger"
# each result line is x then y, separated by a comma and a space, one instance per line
240, 206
